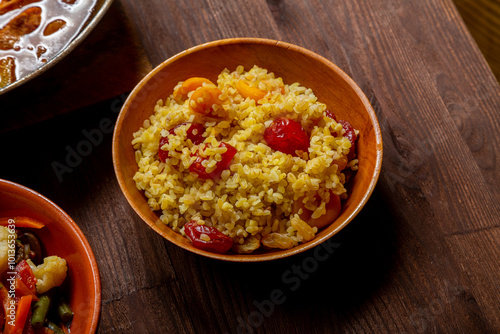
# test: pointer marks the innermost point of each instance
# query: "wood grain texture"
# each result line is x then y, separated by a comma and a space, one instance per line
482, 18
421, 257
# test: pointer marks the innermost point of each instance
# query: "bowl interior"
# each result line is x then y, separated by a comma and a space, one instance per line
293, 64
62, 237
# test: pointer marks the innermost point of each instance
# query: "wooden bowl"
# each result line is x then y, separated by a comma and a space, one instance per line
61, 237
294, 64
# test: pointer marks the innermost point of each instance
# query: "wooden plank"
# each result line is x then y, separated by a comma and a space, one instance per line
145, 310
392, 54
183, 24
482, 18
483, 249
422, 256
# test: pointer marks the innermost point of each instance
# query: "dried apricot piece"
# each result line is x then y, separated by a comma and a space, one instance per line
252, 92
206, 101
181, 92
313, 219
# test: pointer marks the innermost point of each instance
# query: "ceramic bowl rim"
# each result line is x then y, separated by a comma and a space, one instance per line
26, 192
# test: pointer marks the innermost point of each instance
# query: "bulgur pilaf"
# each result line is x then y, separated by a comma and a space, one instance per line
224, 162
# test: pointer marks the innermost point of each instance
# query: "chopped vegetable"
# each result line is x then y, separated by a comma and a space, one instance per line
22, 312
226, 157
64, 310
205, 101
349, 133
7, 303
321, 217
22, 222
4, 248
50, 273
27, 281
54, 327
287, 136
194, 132
41, 309
252, 92
25, 274
181, 92
207, 238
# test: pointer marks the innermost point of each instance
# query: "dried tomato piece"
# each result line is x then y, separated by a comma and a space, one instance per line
227, 157
331, 115
349, 133
287, 136
207, 238
163, 155
194, 132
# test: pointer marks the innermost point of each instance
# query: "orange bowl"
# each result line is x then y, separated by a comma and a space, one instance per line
62, 237
294, 64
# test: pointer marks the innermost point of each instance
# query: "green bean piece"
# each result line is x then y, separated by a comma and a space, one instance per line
40, 310
54, 327
35, 246
64, 311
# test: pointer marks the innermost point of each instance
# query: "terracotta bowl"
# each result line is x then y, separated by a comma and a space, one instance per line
294, 64
60, 236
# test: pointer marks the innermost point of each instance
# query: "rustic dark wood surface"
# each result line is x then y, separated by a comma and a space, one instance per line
482, 18
422, 257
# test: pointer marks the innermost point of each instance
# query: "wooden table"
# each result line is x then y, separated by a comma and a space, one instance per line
422, 257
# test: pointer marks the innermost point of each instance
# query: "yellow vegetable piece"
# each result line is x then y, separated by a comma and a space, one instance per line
188, 86
246, 91
206, 101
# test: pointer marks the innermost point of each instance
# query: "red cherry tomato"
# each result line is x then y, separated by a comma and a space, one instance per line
198, 168
218, 243
287, 136
194, 132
